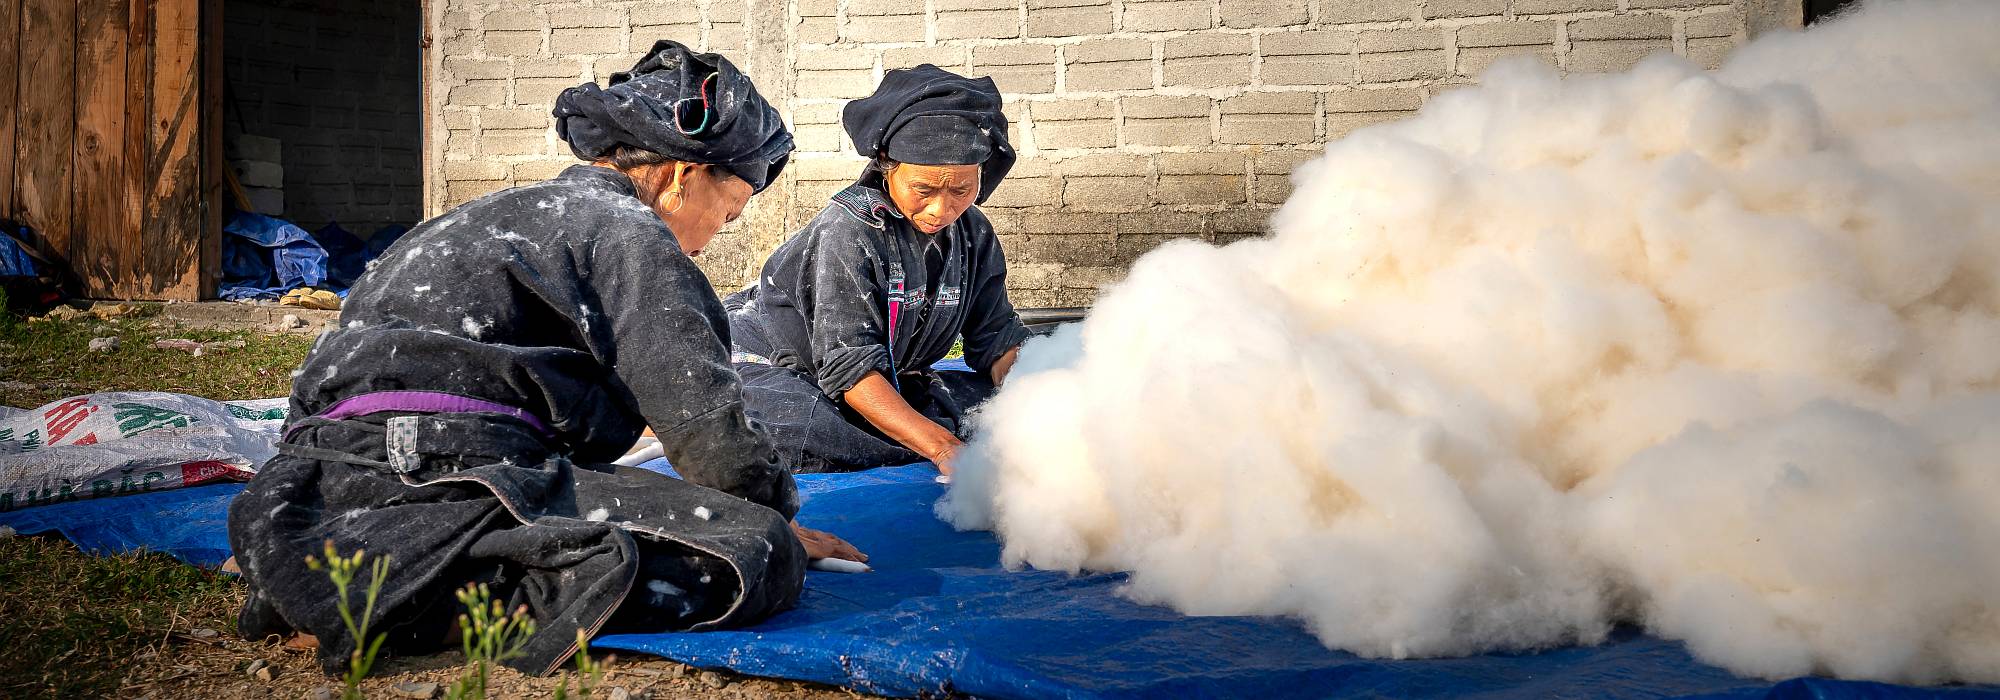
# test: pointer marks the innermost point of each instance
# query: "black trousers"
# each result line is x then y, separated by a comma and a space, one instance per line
813, 433
478, 498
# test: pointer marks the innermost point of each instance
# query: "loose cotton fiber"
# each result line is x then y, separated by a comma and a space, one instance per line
1713, 353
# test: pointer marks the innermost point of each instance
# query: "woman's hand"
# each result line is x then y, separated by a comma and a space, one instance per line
822, 545
944, 455
876, 400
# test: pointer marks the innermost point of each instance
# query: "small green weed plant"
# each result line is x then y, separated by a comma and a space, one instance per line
342, 570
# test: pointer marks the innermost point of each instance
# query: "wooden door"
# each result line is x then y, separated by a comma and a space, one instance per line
114, 142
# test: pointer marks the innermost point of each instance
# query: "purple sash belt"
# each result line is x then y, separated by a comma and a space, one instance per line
423, 402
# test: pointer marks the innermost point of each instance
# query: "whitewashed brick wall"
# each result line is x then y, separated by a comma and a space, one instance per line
1138, 121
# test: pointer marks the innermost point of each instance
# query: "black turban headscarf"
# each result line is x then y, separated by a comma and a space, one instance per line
667, 104
930, 116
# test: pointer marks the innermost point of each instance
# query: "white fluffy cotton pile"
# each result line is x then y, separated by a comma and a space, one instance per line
1715, 353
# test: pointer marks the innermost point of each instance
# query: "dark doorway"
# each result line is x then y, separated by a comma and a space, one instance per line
322, 110
1817, 10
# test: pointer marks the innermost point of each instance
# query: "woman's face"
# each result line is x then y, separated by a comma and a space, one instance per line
933, 196
710, 198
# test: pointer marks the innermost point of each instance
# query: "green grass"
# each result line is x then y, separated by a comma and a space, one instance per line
74, 622
44, 361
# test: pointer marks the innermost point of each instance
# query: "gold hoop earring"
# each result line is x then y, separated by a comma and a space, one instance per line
680, 200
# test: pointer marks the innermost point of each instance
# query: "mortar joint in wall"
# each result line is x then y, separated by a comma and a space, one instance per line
1567, 17
705, 22
1370, 25
930, 23
1215, 120
1029, 145
1159, 64
1062, 69
1256, 54
1319, 130
1118, 124
1451, 52
1562, 47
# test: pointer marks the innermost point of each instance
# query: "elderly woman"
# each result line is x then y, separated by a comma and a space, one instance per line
459, 420
836, 340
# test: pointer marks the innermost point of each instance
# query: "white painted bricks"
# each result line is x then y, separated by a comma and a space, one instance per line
1137, 120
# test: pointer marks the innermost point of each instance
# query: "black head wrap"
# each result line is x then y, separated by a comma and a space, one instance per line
930, 116
694, 108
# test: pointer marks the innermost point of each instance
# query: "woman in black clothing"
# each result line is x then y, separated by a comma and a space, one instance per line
836, 340
461, 418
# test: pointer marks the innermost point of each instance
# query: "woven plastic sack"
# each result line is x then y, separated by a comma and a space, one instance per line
117, 443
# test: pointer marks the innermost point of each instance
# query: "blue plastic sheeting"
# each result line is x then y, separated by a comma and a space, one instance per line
192, 524
347, 255
266, 257
14, 259
939, 614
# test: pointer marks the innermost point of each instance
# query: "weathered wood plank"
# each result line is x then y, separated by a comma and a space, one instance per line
102, 250
138, 92
213, 166
47, 122
172, 232
10, 73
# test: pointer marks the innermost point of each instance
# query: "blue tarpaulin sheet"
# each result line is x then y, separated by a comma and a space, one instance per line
346, 254
14, 259
191, 524
939, 615
266, 257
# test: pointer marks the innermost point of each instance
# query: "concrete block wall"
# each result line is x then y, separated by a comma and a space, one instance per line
337, 84
1138, 121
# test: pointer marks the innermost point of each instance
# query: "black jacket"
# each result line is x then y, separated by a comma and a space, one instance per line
568, 298
822, 304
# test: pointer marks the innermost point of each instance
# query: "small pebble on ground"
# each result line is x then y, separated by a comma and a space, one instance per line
419, 691
714, 680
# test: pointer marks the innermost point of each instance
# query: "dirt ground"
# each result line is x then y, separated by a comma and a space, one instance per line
187, 666
146, 626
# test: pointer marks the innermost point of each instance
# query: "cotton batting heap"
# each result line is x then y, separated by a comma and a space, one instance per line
1717, 354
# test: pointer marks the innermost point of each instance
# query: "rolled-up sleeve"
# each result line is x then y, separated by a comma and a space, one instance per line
846, 309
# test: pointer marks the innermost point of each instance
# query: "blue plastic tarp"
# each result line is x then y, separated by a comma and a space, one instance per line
191, 523
940, 615
266, 257
14, 258
347, 254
